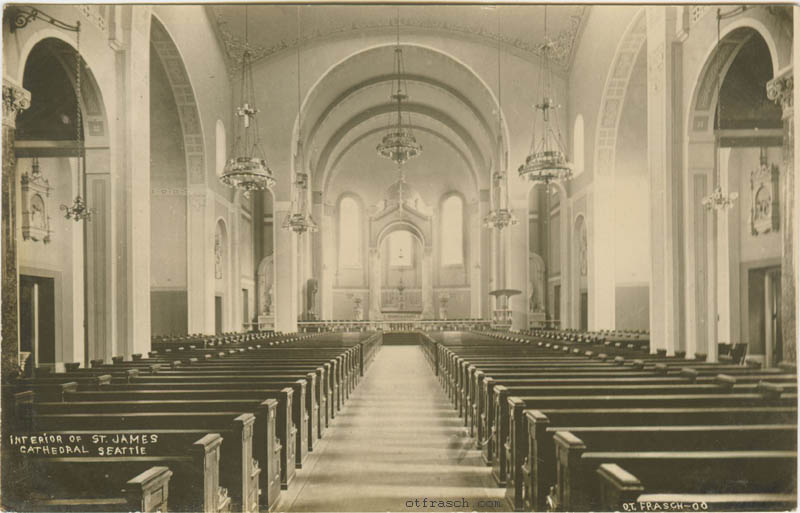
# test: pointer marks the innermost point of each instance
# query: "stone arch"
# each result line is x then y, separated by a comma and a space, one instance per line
185, 98
320, 182
404, 225
96, 257
706, 317
614, 94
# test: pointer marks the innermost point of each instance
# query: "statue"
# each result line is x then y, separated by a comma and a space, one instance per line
268, 300
311, 294
265, 278
536, 284
217, 256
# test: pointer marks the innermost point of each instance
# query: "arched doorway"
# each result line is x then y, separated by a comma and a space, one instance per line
733, 256
64, 266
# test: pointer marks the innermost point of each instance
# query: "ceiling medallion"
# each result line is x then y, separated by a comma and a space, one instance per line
399, 144
247, 169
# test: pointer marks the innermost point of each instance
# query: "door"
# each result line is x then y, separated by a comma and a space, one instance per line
217, 314
37, 320
557, 303
584, 311
772, 317
245, 309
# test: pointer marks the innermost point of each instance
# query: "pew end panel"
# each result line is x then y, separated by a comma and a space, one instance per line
617, 487
149, 491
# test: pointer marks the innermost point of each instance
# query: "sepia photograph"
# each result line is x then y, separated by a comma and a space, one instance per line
399, 257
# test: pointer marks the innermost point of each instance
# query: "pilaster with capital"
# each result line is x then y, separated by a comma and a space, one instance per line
15, 100
781, 90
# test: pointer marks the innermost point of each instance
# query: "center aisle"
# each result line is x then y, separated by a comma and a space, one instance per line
396, 440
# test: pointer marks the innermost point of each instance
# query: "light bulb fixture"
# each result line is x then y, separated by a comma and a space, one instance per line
547, 160
78, 211
299, 220
399, 144
719, 200
499, 216
247, 168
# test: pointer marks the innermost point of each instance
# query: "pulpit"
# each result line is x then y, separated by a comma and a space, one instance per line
502, 315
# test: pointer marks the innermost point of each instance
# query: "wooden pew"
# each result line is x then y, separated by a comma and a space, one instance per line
250, 475
576, 488
511, 437
622, 491
294, 436
146, 492
538, 471
689, 472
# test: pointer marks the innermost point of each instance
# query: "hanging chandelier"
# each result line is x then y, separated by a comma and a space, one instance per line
547, 160
78, 211
247, 168
299, 220
719, 200
499, 215
399, 144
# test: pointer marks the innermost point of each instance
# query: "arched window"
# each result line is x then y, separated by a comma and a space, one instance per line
453, 231
222, 148
349, 233
401, 249
577, 145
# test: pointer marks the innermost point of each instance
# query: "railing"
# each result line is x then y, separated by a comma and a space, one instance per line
389, 325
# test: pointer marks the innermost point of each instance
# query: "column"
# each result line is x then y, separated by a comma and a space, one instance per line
517, 270
15, 100
427, 283
327, 251
199, 256
133, 185
665, 182
477, 288
317, 250
487, 283
781, 90
374, 284
285, 297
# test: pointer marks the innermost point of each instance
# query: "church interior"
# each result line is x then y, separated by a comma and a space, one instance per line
399, 257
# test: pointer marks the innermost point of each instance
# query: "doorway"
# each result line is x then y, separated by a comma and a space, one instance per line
37, 320
584, 311
217, 314
764, 293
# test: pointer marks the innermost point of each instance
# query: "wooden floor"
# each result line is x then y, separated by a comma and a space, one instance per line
396, 440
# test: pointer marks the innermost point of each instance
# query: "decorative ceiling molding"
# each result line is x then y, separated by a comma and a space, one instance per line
564, 41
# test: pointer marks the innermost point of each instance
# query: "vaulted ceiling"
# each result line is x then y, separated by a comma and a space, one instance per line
272, 28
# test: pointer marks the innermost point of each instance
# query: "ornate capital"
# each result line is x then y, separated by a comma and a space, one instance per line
781, 90
15, 100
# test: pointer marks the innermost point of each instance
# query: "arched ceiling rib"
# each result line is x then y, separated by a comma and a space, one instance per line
355, 124
350, 103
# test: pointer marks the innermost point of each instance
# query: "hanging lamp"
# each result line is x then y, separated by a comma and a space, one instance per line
499, 216
547, 159
719, 200
399, 144
299, 220
78, 211
247, 169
